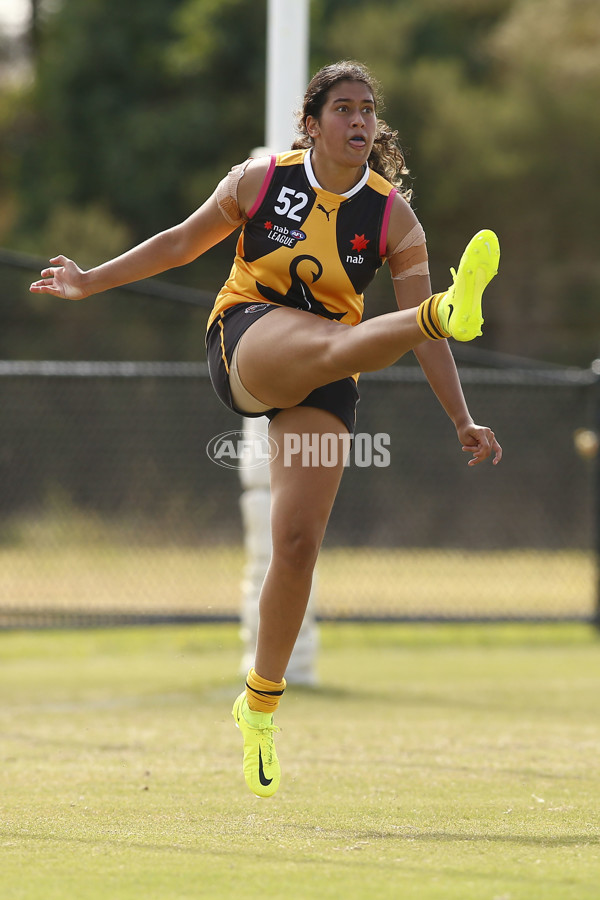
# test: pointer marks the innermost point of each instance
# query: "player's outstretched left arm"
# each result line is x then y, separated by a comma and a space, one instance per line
176, 246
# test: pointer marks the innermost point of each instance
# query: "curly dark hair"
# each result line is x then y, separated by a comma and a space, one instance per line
386, 157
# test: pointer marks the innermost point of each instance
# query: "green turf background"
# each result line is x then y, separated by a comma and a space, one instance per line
432, 762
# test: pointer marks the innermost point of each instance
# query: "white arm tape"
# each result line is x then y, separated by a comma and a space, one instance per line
226, 194
418, 269
415, 236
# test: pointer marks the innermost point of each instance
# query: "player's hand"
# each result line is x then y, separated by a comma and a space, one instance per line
481, 442
62, 279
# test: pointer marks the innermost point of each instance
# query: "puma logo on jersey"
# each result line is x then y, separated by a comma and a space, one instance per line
326, 211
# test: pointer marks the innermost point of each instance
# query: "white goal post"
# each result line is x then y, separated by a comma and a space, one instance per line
287, 77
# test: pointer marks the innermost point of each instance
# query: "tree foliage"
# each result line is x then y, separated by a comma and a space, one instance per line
131, 110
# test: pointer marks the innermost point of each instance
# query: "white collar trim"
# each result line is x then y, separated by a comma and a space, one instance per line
310, 174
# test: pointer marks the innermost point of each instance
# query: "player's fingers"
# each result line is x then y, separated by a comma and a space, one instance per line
487, 439
481, 447
498, 453
45, 289
483, 450
477, 458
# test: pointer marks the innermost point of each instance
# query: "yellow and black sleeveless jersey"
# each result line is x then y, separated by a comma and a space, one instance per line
308, 248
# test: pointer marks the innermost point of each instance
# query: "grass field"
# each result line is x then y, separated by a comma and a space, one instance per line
454, 762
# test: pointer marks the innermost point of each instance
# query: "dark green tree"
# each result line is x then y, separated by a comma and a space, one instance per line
131, 111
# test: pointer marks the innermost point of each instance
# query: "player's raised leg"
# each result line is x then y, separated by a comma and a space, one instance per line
306, 351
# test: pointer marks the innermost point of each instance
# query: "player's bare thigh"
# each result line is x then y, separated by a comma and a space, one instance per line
286, 354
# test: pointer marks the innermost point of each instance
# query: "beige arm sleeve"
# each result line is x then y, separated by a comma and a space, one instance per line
409, 257
226, 194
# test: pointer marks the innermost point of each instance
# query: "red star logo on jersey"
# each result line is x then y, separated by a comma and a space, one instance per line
268, 225
360, 242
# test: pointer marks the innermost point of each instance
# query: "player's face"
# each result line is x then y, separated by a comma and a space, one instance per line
346, 129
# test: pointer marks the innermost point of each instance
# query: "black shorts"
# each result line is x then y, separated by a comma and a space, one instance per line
338, 397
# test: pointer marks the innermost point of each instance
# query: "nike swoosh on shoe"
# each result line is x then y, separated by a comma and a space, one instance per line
261, 772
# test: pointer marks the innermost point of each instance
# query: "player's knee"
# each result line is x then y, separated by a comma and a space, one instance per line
297, 548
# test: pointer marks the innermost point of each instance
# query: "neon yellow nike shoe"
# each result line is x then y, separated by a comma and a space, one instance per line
260, 766
459, 309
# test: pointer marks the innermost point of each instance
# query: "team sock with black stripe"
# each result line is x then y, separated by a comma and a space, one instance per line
263, 696
428, 319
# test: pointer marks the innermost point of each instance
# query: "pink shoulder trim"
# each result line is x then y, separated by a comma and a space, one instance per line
386, 221
264, 187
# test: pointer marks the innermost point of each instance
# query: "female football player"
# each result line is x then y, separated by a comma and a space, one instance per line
285, 337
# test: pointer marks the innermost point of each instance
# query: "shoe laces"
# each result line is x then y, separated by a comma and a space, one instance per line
267, 727
271, 728
269, 747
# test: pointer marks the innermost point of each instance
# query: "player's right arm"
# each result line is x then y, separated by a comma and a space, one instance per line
176, 246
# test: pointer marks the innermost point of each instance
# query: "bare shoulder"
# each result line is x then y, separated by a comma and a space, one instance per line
252, 181
402, 221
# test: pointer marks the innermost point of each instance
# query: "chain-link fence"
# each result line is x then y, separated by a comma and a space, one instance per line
112, 511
